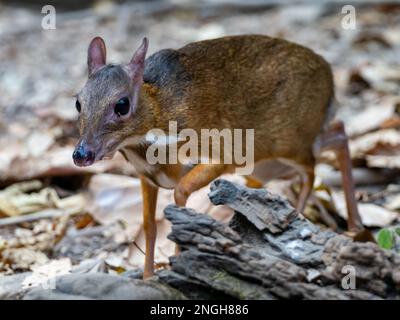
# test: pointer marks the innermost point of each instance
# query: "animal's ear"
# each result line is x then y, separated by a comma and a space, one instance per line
136, 65
96, 55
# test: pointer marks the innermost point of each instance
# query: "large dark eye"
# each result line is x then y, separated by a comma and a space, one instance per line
78, 106
122, 107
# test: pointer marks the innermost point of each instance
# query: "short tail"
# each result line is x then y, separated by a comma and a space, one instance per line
330, 115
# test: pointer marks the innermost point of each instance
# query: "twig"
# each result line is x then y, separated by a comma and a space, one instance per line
44, 214
156, 264
137, 246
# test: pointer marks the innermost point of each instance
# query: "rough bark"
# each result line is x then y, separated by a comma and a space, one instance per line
265, 252
268, 252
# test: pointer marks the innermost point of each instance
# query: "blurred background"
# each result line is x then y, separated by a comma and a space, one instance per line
51, 210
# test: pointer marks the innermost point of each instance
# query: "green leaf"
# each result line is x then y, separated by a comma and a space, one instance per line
386, 238
397, 230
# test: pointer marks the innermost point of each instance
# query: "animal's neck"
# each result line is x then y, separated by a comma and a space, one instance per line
162, 107
148, 101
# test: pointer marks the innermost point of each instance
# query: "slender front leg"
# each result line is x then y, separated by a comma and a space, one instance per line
253, 182
307, 183
198, 177
149, 195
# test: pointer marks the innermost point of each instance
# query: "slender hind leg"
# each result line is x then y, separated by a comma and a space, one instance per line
253, 182
306, 170
307, 182
308, 177
335, 138
198, 177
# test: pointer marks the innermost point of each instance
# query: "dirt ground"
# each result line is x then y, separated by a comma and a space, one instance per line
56, 215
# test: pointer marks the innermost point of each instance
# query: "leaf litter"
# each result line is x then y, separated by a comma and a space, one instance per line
55, 216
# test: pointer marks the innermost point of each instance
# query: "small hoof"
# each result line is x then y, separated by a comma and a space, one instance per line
363, 235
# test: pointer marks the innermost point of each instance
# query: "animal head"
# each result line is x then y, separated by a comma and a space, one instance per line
108, 103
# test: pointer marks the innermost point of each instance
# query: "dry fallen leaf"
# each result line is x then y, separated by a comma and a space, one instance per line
384, 161
382, 76
44, 275
28, 247
393, 203
18, 199
22, 258
371, 214
370, 118
370, 143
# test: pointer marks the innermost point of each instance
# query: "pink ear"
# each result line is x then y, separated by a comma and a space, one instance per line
96, 55
136, 65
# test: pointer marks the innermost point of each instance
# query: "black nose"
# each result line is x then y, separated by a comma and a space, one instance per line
83, 156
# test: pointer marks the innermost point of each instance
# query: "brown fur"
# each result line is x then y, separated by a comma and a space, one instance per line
280, 89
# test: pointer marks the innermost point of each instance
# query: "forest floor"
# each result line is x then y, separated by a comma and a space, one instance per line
54, 216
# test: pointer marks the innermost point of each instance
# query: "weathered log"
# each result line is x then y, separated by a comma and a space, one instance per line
267, 252
263, 209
